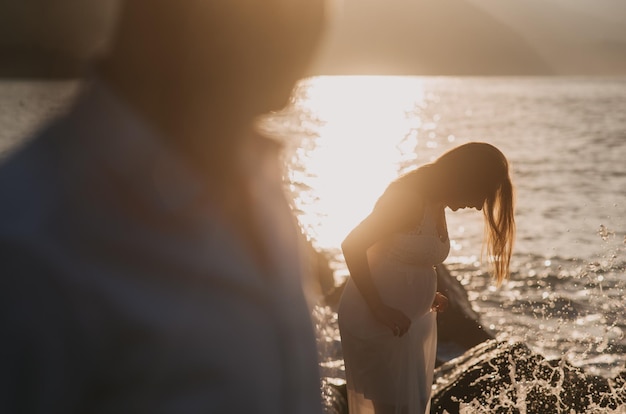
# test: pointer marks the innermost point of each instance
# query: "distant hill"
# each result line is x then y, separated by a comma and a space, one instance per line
425, 37
54, 38
575, 37
477, 37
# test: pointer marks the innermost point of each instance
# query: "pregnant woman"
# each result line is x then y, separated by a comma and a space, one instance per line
387, 314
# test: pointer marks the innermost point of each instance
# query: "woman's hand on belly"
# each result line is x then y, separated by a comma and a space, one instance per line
393, 319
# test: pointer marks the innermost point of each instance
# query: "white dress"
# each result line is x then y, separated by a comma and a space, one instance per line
380, 367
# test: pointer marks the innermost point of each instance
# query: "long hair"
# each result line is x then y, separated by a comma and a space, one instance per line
480, 168
500, 229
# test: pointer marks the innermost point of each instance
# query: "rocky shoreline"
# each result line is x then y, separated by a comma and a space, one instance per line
477, 374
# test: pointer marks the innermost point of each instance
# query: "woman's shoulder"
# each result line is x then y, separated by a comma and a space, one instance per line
401, 204
408, 188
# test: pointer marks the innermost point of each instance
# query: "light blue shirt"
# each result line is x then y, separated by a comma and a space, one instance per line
122, 290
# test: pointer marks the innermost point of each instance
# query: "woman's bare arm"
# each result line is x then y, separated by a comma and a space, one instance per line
392, 214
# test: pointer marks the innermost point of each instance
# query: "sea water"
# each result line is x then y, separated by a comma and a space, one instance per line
565, 138
25, 105
347, 137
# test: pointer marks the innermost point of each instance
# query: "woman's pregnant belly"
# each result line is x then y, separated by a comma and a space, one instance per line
407, 287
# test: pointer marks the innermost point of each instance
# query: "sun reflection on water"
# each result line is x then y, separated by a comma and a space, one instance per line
363, 136
348, 137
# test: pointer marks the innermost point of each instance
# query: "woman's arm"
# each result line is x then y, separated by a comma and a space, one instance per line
390, 215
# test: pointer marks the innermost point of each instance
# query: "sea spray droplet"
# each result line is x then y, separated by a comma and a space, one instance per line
604, 232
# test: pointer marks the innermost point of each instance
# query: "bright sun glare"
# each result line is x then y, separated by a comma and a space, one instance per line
364, 133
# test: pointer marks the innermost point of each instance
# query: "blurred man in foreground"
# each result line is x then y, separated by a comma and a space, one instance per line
148, 257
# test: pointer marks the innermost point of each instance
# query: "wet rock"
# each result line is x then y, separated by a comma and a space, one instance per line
334, 397
325, 274
496, 377
458, 328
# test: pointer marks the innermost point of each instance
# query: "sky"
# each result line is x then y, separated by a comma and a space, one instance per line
409, 37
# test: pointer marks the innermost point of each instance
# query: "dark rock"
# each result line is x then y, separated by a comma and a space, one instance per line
509, 378
334, 397
331, 293
458, 328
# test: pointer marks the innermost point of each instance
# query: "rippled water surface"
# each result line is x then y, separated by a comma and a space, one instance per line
347, 137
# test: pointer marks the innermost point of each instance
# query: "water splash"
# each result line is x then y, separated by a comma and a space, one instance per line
605, 233
561, 309
497, 377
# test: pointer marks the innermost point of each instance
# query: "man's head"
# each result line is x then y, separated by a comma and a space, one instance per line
239, 55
